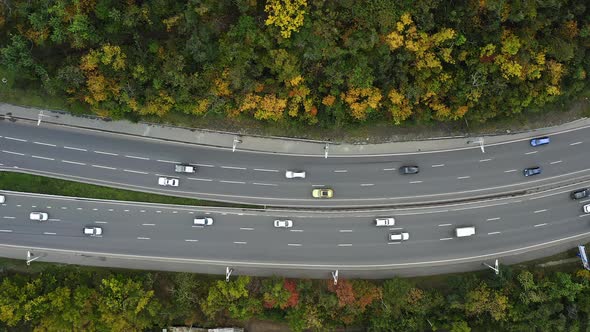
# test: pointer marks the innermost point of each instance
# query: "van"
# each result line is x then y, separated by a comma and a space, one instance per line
464, 231
203, 221
384, 221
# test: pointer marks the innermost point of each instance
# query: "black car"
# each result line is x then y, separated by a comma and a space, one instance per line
579, 194
531, 171
409, 170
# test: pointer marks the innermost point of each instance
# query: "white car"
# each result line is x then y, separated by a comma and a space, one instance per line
587, 208
39, 216
283, 223
172, 182
385, 221
92, 231
203, 221
295, 174
2, 199
399, 237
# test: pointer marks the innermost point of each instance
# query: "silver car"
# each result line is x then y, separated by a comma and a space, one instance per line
283, 223
39, 216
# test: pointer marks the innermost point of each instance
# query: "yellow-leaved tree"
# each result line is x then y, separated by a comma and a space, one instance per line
287, 15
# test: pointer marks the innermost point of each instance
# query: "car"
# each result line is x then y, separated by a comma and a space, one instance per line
322, 193
539, 141
164, 181
92, 231
530, 171
409, 170
586, 208
2, 199
283, 223
464, 231
398, 236
39, 216
389, 221
580, 193
295, 174
203, 221
184, 168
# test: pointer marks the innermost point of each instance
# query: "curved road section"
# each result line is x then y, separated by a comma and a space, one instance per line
259, 178
141, 234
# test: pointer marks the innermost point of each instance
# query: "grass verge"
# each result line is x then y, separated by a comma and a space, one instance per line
44, 185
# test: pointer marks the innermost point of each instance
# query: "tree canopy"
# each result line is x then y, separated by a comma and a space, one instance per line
313, 62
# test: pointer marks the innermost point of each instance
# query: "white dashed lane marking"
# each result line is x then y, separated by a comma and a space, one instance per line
266, 170
265, 184
532, 152
136, 157
15, 139
510, 171
168, 161
137, 172
233, 167
197, 179
412, 182
107, 153
105, 167
46, 144
235, 182
72, 162
5, 230
438, 165
49, 233
340, 171
539, 225
576, 143
463, 177
555, 162
143, 238
484, 160
16, 153
72, 148
492, 219
493, 233
539, 211
44, 158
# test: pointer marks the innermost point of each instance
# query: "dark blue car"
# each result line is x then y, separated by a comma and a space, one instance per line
532, 171
539, 141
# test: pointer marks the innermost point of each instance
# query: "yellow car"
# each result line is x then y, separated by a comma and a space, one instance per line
322, 193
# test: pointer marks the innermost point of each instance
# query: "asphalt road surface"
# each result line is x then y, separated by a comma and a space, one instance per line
328, 240
249, 177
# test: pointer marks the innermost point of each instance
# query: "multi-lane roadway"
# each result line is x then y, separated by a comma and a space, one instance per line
317, 241
259, 178
527, 214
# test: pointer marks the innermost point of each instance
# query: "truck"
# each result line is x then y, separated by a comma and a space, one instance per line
465, 231
184, 168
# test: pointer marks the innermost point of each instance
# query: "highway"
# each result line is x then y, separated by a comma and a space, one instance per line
318, 240
258, 178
